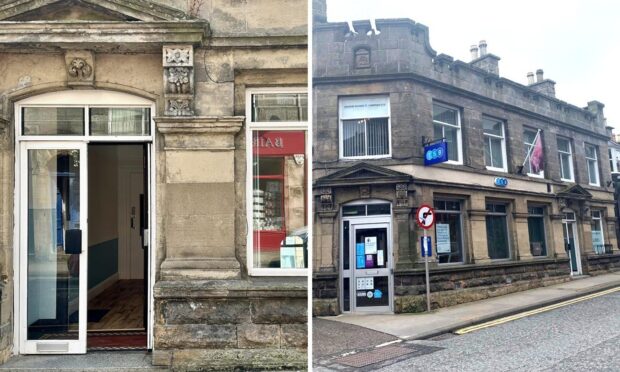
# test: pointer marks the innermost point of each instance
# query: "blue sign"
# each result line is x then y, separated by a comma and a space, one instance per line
361, 262
378, 293
435, 153
359, 249
501, 181
427, 248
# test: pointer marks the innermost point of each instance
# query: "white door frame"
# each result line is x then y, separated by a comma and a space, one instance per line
367, 222
573, 223
54, 346
81, 98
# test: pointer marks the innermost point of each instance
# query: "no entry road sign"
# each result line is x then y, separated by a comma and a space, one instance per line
425, 216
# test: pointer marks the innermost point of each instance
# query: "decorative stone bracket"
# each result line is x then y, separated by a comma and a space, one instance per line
178, 63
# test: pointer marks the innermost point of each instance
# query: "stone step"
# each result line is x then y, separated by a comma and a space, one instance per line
123, 361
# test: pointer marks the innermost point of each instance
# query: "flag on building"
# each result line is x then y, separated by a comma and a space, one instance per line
537, 158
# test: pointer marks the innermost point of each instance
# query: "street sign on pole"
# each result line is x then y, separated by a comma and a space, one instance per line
426, 219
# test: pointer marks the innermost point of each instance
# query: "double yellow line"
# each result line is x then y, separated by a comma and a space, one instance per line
507, 319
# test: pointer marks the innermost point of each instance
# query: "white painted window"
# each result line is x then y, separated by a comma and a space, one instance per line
277, 181
598, 238
447, 124
592, 163
494, 144
565, 155
365, 127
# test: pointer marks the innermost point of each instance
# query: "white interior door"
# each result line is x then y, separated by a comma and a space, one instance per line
53, 247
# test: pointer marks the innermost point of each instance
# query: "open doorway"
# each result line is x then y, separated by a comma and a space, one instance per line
117, 257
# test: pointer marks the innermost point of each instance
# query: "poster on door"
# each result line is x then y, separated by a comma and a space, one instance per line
370, 244
442, 230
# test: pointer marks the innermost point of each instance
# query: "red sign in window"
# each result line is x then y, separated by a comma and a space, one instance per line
279, 142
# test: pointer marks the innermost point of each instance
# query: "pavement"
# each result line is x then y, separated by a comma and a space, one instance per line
124, 361
425, 325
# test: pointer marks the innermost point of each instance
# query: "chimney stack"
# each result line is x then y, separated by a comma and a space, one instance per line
539, 75
474, 52
483, 47
530, 78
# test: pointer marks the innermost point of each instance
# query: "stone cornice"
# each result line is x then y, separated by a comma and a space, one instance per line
261, 41
199, 124
100, 34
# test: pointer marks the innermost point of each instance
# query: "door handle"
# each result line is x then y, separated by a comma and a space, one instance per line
73, 241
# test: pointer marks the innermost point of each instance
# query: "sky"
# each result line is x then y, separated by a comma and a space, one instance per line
575, 42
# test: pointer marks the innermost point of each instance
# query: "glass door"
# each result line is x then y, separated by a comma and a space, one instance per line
571, 242
371, 253
53, 248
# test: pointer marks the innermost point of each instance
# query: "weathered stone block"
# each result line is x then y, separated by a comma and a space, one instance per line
206, 311
258, 335
279, 311
195, 336
294, 335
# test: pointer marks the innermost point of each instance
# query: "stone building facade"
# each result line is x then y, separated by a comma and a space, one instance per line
193, 73
501, 224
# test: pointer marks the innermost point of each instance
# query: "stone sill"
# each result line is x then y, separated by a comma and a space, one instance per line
281, 287
325, 275
603, 256
478, 267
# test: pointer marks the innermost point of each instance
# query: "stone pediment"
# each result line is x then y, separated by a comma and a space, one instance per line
574, 192
363, 174
88, 10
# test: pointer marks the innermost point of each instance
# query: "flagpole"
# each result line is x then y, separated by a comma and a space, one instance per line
529, 152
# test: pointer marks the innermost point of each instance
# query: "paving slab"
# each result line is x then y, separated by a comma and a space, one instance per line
424, 325
121, 361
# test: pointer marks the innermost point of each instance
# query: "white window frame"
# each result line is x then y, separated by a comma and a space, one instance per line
459, 139
570, 157
600, 221
341, 125
595, 160
280, 126
85, 99
542, 173
487, 141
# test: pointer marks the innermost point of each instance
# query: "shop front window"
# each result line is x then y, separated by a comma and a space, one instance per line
497, 231
278, 165
448, 232
598, 239
536, 230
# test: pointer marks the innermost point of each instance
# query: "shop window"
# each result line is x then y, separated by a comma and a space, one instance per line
592, 161
494, 144
497, 231
598, 239
277, 196
536, 230
365, 127
565, 155
534, 162
447, 125
448, 231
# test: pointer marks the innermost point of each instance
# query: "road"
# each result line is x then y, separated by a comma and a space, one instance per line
581, 337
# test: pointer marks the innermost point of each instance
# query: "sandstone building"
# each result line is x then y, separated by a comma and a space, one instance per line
153, 180
524, 200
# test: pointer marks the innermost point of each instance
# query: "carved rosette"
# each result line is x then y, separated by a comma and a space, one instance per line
178, 63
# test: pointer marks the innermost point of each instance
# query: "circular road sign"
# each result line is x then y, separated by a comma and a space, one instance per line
425, 216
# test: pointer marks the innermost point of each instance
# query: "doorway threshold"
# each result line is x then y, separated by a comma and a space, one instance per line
95, 361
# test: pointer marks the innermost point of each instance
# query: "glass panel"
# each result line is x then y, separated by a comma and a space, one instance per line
563, 145
280, 234
497, 237
379, 295
565, 166
53, 252
536, 229
376, 209
590, 152
49, 121
354, 210
280, 107
448, 237
346, 248
120, 121
598, 242
346, 295
439, 204
445, 115
492, 127
378, 136
450, 134
592, 172
371, 248
497, 158
353, 138
487, 152
529, 136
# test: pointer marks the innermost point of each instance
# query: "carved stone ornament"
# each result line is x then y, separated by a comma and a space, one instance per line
402, 199
79, 69
326, 199
179, 80
362, 58
178, 56
365, 192
179, 107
